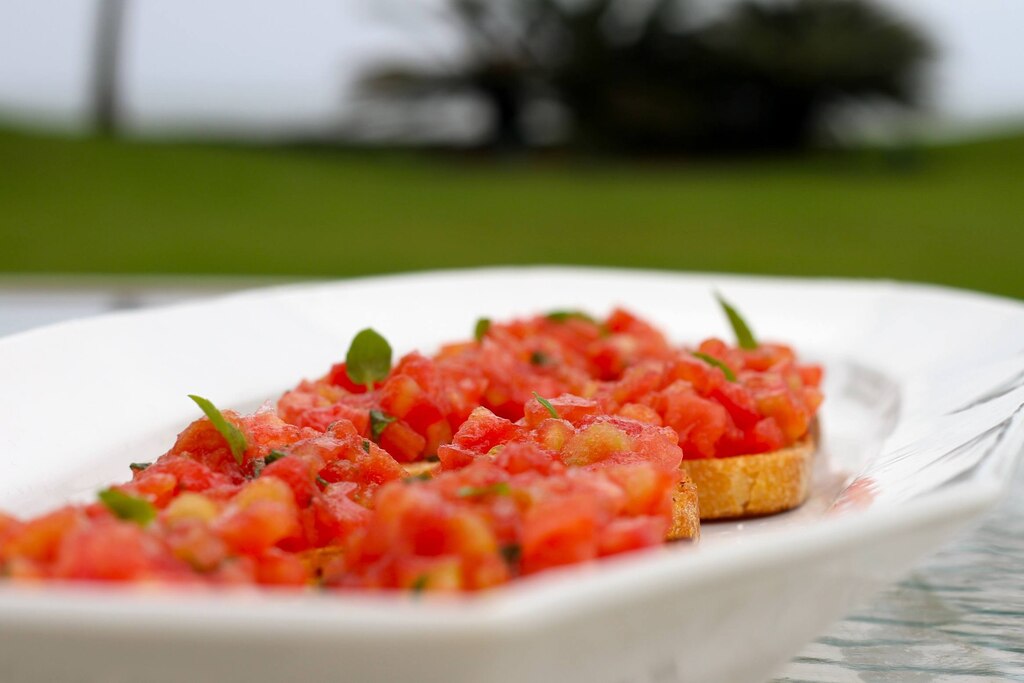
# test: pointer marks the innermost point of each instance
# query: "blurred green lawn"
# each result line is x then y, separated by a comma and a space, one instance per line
952, 215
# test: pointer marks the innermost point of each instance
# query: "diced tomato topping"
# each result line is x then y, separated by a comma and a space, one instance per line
185, 474
110, 551
402, 442
484, 430
338, 376
259, 516
333, 518
738, 402
519, 457
632, 533
9, 526
454, 457
700, 422
780, 405
567, 407
278, 568
38, 539
703, 377
323, 417
297, 473
559, 532
522, 484
810, 374
400, 394
595, 443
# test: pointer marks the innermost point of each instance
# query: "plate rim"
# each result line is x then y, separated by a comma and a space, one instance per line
509, 606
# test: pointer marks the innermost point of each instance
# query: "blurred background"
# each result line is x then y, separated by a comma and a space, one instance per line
190, 140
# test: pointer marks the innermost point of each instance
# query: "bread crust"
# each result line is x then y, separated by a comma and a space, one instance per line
753, 485
685, 512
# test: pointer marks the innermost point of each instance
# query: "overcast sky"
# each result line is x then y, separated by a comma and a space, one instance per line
268, 64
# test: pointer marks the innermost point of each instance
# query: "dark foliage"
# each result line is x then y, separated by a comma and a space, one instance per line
762, 76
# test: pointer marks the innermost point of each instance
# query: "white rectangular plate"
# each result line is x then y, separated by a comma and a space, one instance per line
921, 426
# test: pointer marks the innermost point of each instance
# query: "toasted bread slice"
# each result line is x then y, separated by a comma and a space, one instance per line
685, 517
752, 485
685, 512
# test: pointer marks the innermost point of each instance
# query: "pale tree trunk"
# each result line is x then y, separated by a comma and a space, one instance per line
107, 65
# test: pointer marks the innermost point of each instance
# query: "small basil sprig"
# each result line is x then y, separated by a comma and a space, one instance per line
711, 360
128, 508
481, 328
419, 584
547, 404
368, 359
378, 421
511, 553
539, 358
232, 434
500, 488
744, 337
562, 316
259, 464
273, 456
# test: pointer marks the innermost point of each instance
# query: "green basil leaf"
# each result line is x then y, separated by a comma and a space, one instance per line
744, 337
500, 488
323, 483
562, 316
128, 508
368, 359
539, 358
366, 445
413, 478
274, 456
139, 466
711, 360
547, 404
511, 552
420, 584
232, 434
481, 328
378, 421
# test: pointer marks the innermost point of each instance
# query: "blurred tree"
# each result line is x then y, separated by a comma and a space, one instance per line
501, 63
785, 64
651, 78
110, 17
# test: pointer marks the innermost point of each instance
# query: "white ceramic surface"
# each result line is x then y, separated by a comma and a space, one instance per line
921, 426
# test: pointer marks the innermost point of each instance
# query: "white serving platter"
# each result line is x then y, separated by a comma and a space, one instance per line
921, 429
